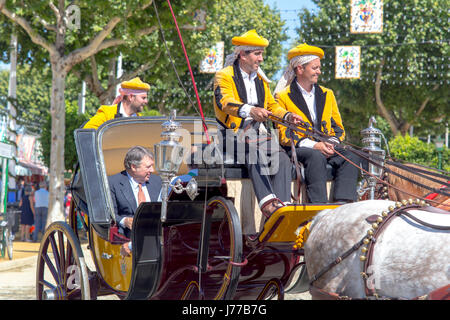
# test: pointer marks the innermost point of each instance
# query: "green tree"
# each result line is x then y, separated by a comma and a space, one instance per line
74, 121
226, 20
217, 21
413, 150
64, 35
404, 70
33, 95
144, 56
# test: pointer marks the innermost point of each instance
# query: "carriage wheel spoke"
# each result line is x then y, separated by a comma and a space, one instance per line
47, 284
69, 262
52, 268
55, 252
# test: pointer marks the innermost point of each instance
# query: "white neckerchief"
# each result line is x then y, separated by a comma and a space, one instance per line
135, 187
289, 74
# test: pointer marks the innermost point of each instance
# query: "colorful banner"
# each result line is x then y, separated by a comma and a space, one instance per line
366, 16
348, 62
213, 62
25, 147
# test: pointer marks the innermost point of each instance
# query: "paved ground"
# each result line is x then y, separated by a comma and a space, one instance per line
18, 276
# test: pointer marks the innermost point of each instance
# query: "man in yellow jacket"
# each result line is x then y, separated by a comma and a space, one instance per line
130, 102
242, 103
298, 92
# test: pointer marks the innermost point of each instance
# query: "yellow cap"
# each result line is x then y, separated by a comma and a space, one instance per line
135, 84
250, 38
304, 49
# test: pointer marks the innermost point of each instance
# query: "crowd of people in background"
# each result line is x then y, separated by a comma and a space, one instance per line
33, 205
32, 201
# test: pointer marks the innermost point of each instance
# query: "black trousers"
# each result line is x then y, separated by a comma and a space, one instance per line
346, 174
269, 166
272, 174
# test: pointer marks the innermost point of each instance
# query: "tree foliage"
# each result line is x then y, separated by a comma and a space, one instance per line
404, 70
74, 121
60, 41
33, 95
50, 34
411, 149
153, 61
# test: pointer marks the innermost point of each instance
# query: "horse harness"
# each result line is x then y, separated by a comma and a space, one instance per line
378, 224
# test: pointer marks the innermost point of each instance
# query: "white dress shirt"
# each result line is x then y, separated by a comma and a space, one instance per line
252, 98
135, 187
123, 113
310, 99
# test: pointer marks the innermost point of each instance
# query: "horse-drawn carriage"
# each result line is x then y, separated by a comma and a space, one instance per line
200, 241
189, 246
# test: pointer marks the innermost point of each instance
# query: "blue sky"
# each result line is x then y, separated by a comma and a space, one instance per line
289, 10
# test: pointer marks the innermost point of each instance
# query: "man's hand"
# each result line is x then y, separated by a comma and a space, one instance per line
295, 118
326, 148
128, 222
125, 250
259, 114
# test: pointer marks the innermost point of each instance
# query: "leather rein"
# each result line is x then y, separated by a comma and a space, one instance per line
306, 129
378, 224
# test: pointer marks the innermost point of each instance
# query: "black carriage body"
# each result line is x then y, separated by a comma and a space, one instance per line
177, 259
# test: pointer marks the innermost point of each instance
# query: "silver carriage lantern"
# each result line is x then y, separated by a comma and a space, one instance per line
372, 144
168, 157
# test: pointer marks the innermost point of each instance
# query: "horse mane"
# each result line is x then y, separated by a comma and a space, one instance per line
412, 189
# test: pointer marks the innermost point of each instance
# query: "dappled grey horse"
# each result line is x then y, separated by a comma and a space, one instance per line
379, 249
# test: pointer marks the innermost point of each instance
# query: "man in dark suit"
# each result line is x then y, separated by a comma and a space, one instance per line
132, 186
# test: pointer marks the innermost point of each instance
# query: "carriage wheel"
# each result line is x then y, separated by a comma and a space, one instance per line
61, 272
9, 242
230, 239
2, 241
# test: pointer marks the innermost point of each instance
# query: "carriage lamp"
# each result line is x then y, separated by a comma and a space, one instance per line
191, 188
168, 156
372, 145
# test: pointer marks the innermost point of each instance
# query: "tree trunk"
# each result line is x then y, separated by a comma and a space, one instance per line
380, 105
12, 129
56, 174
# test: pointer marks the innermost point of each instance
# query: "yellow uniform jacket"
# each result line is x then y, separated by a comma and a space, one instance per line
328, 118
104, 113
230, 95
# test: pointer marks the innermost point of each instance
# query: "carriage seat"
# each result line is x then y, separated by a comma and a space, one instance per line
231, 170
239, 171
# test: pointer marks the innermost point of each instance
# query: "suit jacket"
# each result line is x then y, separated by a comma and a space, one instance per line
230, 95
327, 112
104, 113
123, 197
